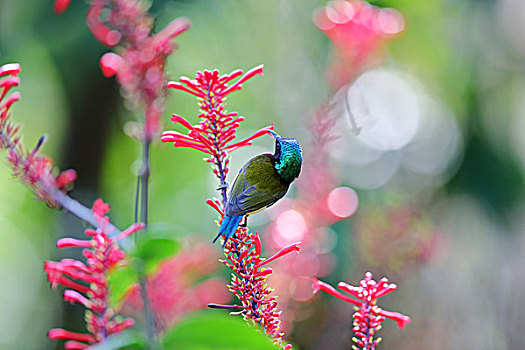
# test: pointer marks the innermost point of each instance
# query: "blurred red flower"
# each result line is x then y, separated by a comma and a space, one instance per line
180, 285
358, 31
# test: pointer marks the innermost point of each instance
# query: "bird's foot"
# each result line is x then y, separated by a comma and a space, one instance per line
225, 185
244, 223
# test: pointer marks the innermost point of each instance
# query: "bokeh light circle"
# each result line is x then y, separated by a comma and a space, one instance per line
290, 227
383, 108
342, 202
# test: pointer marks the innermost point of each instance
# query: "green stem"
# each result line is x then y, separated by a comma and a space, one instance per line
143, 203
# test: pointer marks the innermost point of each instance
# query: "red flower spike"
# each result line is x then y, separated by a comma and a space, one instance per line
217, 129
400, 319
263, 273
248, 141
368, 317
65, 178
130, 230
140, 64
72, 297
121, 326
249, 282
102, 33
7, 84
103, 254
220, 306
173, 29
100, 208
33, 169
257, 245
14, 97
318, 285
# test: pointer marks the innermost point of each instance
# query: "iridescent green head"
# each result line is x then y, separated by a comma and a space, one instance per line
288, 157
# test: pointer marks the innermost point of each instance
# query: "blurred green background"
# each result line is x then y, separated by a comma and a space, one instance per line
459, 169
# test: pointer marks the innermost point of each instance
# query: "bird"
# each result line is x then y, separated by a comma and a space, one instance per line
261, 182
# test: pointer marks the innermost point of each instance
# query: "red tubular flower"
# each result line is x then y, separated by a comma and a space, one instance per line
358, 31
88, 283
368, 316
61, 5
139, 65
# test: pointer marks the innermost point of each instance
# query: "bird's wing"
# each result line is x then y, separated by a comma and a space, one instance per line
256, 187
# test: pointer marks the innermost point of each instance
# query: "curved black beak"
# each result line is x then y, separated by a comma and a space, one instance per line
274, 134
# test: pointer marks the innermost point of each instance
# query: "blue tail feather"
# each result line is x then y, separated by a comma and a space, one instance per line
228, 227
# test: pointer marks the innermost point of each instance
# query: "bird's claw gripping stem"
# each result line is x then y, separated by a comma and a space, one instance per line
225, 185
244, 223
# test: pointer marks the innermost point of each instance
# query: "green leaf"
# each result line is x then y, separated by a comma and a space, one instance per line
151, 250
120, 279
129, 340
215, 331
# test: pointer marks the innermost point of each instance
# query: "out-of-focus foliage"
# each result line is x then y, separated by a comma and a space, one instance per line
222, 332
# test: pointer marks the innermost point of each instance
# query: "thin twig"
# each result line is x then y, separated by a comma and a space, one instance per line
75, 208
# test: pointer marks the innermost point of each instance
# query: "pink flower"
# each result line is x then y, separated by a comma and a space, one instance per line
178, 286
358, 31
87, 284
368, 316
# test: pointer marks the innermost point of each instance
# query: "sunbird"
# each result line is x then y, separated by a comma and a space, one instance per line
261, 182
